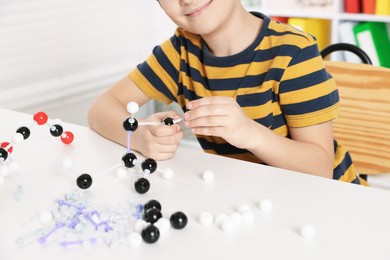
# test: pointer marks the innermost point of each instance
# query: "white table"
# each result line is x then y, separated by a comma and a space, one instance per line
351, 222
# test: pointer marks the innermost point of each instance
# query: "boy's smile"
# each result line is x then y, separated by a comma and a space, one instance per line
199, 10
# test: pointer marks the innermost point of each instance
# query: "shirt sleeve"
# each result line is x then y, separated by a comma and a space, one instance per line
307, 93
158, 76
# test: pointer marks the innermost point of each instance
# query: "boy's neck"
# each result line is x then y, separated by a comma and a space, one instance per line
235, 35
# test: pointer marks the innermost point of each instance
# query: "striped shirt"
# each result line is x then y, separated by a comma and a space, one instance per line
279, 81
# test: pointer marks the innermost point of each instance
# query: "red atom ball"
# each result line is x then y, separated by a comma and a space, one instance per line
40, 118
4, 145
67, 137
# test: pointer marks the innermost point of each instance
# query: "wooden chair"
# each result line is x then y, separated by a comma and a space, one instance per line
363, 126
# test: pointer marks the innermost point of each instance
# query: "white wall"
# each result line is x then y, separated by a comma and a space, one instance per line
54, 54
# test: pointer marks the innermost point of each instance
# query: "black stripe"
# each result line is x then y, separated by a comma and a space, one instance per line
222, 149
311, 105
155, 80
256, 99
304, 81
340, 169
305, 54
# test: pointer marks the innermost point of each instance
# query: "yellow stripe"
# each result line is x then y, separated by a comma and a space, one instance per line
258, 111
349, 174
282, 131
313, 118
291, 39
306, 94
304, 68
147, 88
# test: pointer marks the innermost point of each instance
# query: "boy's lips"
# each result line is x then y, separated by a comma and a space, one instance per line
198, 10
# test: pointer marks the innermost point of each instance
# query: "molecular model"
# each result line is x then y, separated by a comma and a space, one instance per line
129, 159
23, 133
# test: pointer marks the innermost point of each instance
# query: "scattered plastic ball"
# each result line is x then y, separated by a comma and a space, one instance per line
45, 216
121, 173
149, 165
17, 138
129, 159
130, 124
140, 225
208, 176
206, 218
220, 218
67, 163
142, 185
67, 137
168, 121
168, 174
248, 217
265, 205
150, 234
134, 239
56, 130
24, 131
227, 226
132, 107
152, 204
307, 231
152, 215
41, 118
84, 181
178, 220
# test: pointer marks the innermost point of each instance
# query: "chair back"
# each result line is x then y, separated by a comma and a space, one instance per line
363, 125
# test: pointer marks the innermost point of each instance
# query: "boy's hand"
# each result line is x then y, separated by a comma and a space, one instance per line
158, 142
222, 117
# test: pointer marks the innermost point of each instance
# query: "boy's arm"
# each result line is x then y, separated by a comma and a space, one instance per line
310, 150
108, 112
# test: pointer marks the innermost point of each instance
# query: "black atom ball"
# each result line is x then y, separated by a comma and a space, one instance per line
149, 164
150, 234
129, 160
152, 215
84, 181
3, 154
168, 121
56, 130
130, 124
24, 131
178, 220
142, 185
152, 204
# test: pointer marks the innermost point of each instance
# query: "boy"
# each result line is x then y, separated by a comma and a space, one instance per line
251, 89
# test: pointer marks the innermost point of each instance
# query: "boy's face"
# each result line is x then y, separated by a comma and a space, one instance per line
199, 16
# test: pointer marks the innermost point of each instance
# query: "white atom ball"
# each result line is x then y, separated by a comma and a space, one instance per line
67, 163
132, 107
208, 176
206, 218
18, 138
134, 239
168, 174
307, 231
265, 205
